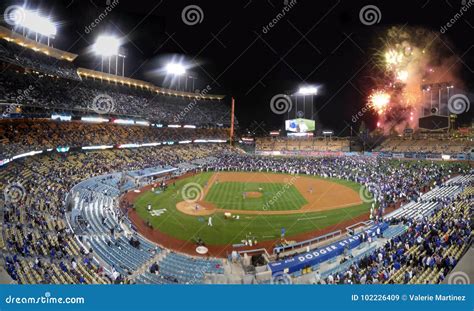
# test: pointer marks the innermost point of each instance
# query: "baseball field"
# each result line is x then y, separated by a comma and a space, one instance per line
245, 205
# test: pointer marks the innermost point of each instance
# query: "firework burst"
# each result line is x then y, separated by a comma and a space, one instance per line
379, 101
409, 58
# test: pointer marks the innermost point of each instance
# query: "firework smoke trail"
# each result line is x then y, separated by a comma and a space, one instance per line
409, 58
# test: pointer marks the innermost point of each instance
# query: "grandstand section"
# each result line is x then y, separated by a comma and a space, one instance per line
447, 145
301, 146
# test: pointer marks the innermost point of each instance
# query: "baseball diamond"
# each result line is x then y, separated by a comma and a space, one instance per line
331, 201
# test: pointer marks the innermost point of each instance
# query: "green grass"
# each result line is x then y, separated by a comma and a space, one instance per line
262, 227
275, 196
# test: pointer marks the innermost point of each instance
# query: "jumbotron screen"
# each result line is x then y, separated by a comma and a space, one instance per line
300, 125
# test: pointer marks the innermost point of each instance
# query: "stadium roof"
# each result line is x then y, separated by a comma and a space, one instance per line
143, 84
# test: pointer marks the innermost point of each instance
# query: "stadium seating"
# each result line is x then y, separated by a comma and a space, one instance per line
20, 136
17, 55
317, 144
41, 93
40, 232
441, 240
445, 145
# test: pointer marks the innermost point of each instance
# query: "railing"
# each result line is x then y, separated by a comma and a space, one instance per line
363, 224
253, 251
310, 242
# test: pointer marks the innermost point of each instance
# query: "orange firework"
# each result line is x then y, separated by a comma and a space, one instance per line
379, 101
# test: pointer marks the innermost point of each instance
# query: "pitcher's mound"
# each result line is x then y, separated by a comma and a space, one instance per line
195, 209
254, 194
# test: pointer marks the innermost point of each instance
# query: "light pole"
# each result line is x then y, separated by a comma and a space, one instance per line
108, 46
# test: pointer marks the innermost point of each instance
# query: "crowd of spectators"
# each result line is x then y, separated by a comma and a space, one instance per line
78, 97
389, 181
445, 145
20, 136
319, 144
34, 238
24, 57
425, 253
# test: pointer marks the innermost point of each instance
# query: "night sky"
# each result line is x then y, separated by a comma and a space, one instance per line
316, 42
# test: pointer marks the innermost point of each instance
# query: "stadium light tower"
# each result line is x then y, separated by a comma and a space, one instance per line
109, 47
176, 70
308, 90
31, 20
303, 92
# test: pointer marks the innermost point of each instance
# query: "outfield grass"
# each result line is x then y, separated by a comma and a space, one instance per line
229, 195
262, 227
